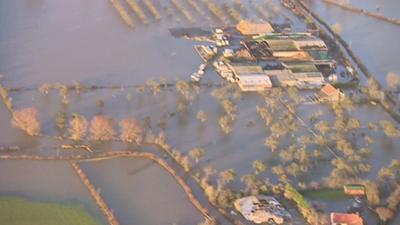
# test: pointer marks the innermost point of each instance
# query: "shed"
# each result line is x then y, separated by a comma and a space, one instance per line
354, 189
254, 82
330, 93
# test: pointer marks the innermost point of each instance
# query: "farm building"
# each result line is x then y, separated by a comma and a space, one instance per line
303, 41
245, 68
292, 55
262, 209
246, 27
353, 189
281, 78
329, 93
254, 82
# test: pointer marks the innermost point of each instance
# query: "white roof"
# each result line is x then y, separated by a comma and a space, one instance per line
254, 79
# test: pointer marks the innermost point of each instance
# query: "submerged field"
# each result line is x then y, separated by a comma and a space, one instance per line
98, 49
18, 211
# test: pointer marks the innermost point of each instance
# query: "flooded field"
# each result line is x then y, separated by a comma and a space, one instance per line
62, 41
140, 192
385, 7
46, 182
371, 39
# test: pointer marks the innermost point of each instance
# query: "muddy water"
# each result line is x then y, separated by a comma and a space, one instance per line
142, 193
60, 41
45, 181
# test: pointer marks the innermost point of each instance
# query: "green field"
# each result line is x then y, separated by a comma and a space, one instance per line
326, 194
18, 211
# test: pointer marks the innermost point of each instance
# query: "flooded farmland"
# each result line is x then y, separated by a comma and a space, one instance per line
46, 182
65, 41
135, 187
376, 49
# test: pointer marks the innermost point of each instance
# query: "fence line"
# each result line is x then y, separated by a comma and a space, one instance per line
363, 11
96, 196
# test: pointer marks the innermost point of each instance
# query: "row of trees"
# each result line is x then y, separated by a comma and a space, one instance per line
138, 10
100, 128
216, 10
183, 11
123, 13
153, 9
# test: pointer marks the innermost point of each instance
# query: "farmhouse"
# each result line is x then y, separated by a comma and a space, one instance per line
346, 219
329, 93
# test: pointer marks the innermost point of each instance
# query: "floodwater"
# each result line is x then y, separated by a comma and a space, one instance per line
388, 8
141, 193
46, 181
374, 41
61, 41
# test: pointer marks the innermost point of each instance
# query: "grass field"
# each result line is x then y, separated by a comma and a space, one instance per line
18, 211
326, 194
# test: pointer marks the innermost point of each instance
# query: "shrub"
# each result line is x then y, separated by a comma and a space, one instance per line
102, 128
27, 120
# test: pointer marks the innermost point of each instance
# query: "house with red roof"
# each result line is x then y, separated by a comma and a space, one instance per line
346, 219
330, 93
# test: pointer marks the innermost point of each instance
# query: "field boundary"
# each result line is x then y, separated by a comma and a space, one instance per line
74, 160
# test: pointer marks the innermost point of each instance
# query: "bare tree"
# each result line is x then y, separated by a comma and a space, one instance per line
225, 177
131, 131
78, 127
225, 124
389, 129
259, 167
202, 116
271, 142
323, 127
45, 88
384, 214
393, 81
337, 28
102, 128
27, 119
208, 221
60, 120
196, 154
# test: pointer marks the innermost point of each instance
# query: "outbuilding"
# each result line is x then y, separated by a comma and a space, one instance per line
246, 27
330, 93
